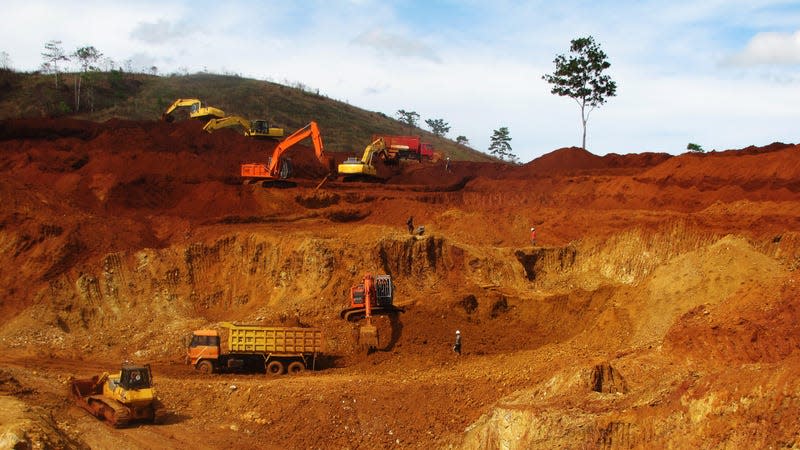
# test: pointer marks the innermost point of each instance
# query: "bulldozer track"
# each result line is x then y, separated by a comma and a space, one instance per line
110, 411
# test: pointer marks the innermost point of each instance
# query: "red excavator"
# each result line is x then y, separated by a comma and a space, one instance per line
373, 297
279, 168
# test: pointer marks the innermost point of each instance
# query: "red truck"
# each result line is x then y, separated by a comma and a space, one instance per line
406, 147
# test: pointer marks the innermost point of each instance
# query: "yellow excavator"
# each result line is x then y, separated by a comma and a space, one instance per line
254, 128
353, 167
197, 110
120, 399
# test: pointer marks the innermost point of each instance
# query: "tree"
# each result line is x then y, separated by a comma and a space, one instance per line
692, 147
409, 118
87, 58
462, 140
438, 126
581, 77
5, 61
52, 55
500, 145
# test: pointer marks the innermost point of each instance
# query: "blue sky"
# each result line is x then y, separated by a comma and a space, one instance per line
723, 74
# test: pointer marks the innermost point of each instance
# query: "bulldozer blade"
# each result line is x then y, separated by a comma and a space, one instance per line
368, 336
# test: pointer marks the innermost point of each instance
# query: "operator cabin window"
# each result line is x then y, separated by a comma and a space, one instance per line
205, 341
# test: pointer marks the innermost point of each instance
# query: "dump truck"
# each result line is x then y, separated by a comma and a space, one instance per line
252, 348
119, 399
405, 147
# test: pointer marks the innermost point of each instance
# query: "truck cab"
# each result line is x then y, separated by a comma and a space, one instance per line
204, 350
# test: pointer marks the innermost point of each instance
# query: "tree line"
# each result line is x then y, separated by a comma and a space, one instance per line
580, 76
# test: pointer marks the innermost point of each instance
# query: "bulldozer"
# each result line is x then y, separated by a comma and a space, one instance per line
119, 399
374, 296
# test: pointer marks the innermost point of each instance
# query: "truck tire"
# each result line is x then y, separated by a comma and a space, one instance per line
275, 368
205, 367
296, 367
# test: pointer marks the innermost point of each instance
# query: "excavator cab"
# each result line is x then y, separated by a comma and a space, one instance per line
372, 297
279, 167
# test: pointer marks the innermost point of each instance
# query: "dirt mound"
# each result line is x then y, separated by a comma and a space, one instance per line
574, 160
774, 168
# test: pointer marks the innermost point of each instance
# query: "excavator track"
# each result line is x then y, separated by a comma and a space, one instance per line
356, 314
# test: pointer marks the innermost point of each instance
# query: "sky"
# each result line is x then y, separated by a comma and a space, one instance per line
723, 74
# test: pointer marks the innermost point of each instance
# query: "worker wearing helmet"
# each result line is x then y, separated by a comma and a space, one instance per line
457, 345
533, 235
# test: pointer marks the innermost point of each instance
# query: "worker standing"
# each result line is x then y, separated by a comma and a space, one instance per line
410, 223
533, 236
457, 345
447, 164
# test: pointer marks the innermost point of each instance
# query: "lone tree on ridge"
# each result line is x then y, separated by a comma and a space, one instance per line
581, 77
500, 145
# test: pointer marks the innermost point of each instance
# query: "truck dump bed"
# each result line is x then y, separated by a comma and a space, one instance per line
274, 340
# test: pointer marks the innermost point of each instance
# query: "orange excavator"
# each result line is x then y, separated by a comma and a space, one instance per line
280, 168
373, 297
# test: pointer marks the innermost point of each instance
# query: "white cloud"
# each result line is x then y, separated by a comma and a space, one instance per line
395, 45
770, 48
160, 32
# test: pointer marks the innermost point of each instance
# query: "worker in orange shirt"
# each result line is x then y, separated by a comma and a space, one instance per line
533, 236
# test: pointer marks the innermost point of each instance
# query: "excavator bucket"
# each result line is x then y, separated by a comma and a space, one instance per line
368, 336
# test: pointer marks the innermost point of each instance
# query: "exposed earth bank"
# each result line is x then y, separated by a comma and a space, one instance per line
657, 308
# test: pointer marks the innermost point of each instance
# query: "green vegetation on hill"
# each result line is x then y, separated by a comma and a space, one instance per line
136, 96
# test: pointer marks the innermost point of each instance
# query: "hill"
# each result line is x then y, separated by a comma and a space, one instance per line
120, 95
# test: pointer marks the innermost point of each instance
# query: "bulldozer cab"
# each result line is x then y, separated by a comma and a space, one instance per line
135, 377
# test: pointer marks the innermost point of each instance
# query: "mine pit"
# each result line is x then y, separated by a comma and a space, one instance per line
657, 305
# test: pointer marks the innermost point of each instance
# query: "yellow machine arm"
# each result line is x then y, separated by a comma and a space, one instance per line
230, 121
198, 111
375, 148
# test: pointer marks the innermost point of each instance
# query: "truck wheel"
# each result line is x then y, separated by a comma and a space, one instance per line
296, 367
275, 368
205, 367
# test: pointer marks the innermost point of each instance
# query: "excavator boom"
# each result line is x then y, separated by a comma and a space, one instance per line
230, 121
273, 170
198, 111
352, 166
